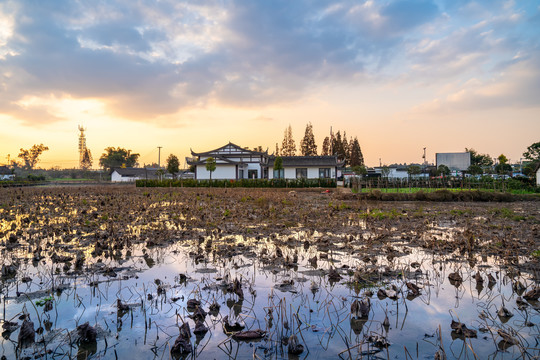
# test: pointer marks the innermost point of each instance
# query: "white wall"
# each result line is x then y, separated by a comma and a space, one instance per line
312, 172
221, 172
116, 177
398, 174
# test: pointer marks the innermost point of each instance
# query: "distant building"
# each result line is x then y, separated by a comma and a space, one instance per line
6, 174
133, 174
395, 171
459, 161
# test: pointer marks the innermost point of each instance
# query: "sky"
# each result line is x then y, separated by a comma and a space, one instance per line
398, 75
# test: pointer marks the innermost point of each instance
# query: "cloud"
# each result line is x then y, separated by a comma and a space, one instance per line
263, 118
146, 60
517, 87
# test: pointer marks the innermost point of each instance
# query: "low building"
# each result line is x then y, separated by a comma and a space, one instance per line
394, 171
133, 174
305, 167
6, 174
538, 176
232, 163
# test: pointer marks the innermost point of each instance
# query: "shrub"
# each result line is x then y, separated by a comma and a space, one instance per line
242, 183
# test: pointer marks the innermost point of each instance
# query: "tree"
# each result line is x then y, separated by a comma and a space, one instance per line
346, 149
31, 156
475, 170
86, 162
530, 169
533, 152
278, 166
533, 155
385, 171
443, 170
173, 165
356, 157
503, 167
210, 165
326, 146
359, 170
288, 146
414, 170
277, 150
482, 160
338, 148
308, 147
117, 157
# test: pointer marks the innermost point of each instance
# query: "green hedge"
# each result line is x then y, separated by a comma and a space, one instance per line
242, 183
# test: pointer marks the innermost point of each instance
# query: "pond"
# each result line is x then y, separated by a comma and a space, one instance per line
269, 279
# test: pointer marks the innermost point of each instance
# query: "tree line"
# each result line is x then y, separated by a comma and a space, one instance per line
346, 149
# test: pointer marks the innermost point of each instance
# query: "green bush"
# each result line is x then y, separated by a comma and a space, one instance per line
242, 183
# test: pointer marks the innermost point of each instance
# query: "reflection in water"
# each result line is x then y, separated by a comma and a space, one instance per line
160, 280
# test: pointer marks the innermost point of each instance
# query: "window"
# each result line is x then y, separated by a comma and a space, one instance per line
241, 173
301, 173
252, 174
324, 173
279, 174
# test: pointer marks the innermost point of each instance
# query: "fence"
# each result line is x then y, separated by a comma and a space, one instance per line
432, 184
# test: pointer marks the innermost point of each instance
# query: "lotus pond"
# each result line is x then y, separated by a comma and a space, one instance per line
123, 272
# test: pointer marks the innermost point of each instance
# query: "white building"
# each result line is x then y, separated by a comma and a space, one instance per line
133, 174
6, 174
399, 172
305, 167
232, 163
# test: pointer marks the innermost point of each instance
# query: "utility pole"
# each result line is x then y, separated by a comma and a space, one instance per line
159, 156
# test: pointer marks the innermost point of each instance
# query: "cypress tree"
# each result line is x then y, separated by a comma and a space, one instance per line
326, 147
308, 147
288, 146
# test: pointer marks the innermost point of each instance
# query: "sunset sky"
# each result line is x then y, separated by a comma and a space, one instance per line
399, 75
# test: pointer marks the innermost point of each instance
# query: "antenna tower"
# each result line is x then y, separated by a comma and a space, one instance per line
82, 145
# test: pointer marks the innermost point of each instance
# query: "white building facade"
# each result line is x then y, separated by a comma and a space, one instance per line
232, 163
305, 167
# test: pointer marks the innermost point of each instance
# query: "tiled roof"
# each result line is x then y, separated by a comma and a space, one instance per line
306, 161
212, 152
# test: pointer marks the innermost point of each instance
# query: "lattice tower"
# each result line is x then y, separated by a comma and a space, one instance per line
82, 145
